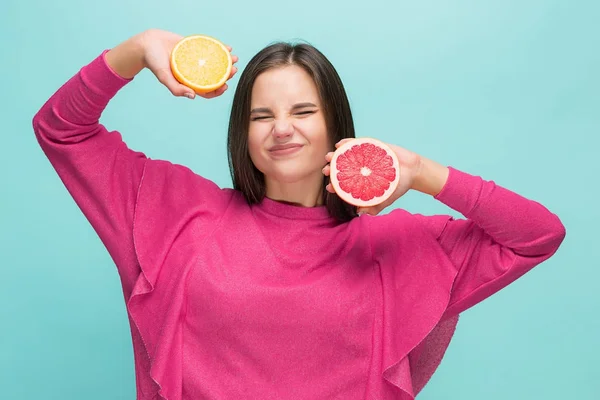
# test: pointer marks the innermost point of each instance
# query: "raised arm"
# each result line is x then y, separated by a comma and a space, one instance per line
98, 169
503, 236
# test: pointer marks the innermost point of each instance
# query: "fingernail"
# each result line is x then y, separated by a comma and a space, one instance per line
190, 95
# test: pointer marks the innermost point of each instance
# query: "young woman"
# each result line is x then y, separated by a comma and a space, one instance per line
276, 289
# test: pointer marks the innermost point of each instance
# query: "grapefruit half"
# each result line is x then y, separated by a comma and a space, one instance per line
364, 172
201, 63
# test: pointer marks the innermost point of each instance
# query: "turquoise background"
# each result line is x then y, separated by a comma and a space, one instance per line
509, 90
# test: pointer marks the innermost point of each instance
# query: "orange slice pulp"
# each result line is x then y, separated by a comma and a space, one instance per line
201, 63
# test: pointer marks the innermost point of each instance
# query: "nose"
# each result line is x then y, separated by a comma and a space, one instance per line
283, 128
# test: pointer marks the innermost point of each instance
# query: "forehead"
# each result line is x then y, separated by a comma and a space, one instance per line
289, 84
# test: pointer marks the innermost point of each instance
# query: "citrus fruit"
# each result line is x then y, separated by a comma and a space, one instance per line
364, 172
201, 63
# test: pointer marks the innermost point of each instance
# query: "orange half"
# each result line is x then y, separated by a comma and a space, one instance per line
201, 63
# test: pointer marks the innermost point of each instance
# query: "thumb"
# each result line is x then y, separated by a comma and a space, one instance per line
177, 89
373, 210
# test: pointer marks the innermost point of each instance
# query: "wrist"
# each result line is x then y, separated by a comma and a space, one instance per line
431, 177
128, 58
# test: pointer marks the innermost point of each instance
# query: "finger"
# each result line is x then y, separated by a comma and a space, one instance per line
221, 90
215, 93
367, 210
329, 188
326, 170
208, 95
364, 210
342, 142
233, 71
373, 210
235, 59
229, 48
165, 77
329, 156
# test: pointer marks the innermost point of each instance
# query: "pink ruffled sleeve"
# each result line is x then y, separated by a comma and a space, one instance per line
98, 169
503, 236
140, 208
434, 267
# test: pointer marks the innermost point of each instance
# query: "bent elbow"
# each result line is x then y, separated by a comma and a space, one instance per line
553, 238
559, 232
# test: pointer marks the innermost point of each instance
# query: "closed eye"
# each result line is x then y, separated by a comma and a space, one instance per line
308, 112
299, 113
260, 118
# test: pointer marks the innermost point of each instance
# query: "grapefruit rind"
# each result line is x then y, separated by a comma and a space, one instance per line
181, 77
346, 196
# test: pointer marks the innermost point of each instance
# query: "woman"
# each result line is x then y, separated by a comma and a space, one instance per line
276, 288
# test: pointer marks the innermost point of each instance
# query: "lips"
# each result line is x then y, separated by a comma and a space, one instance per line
280, 147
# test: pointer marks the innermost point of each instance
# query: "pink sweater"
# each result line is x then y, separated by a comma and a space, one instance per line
273, 301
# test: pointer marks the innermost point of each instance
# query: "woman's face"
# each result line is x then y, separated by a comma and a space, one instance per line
287, 136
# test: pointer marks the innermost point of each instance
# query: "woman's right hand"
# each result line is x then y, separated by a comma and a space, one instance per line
152, 49
158, 46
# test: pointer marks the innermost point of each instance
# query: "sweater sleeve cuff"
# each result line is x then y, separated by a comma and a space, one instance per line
461, 191
102, 80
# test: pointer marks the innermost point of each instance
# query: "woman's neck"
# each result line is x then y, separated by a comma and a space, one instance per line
303, 193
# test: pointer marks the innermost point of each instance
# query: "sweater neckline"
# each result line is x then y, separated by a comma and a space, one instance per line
292, 211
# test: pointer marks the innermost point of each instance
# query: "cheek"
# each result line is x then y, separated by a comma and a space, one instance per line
318, 134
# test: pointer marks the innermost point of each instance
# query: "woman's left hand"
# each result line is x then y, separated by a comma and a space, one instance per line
416, 173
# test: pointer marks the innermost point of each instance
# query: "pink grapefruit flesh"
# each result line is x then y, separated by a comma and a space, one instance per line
364, 172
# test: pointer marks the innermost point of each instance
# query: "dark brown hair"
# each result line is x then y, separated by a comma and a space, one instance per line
338, 117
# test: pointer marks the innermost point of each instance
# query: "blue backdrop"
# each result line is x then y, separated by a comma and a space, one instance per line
508, 90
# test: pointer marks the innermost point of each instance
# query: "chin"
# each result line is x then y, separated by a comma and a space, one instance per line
292, 170
289, 176
293, 173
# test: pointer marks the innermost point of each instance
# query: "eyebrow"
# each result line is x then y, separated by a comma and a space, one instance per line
294, 107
